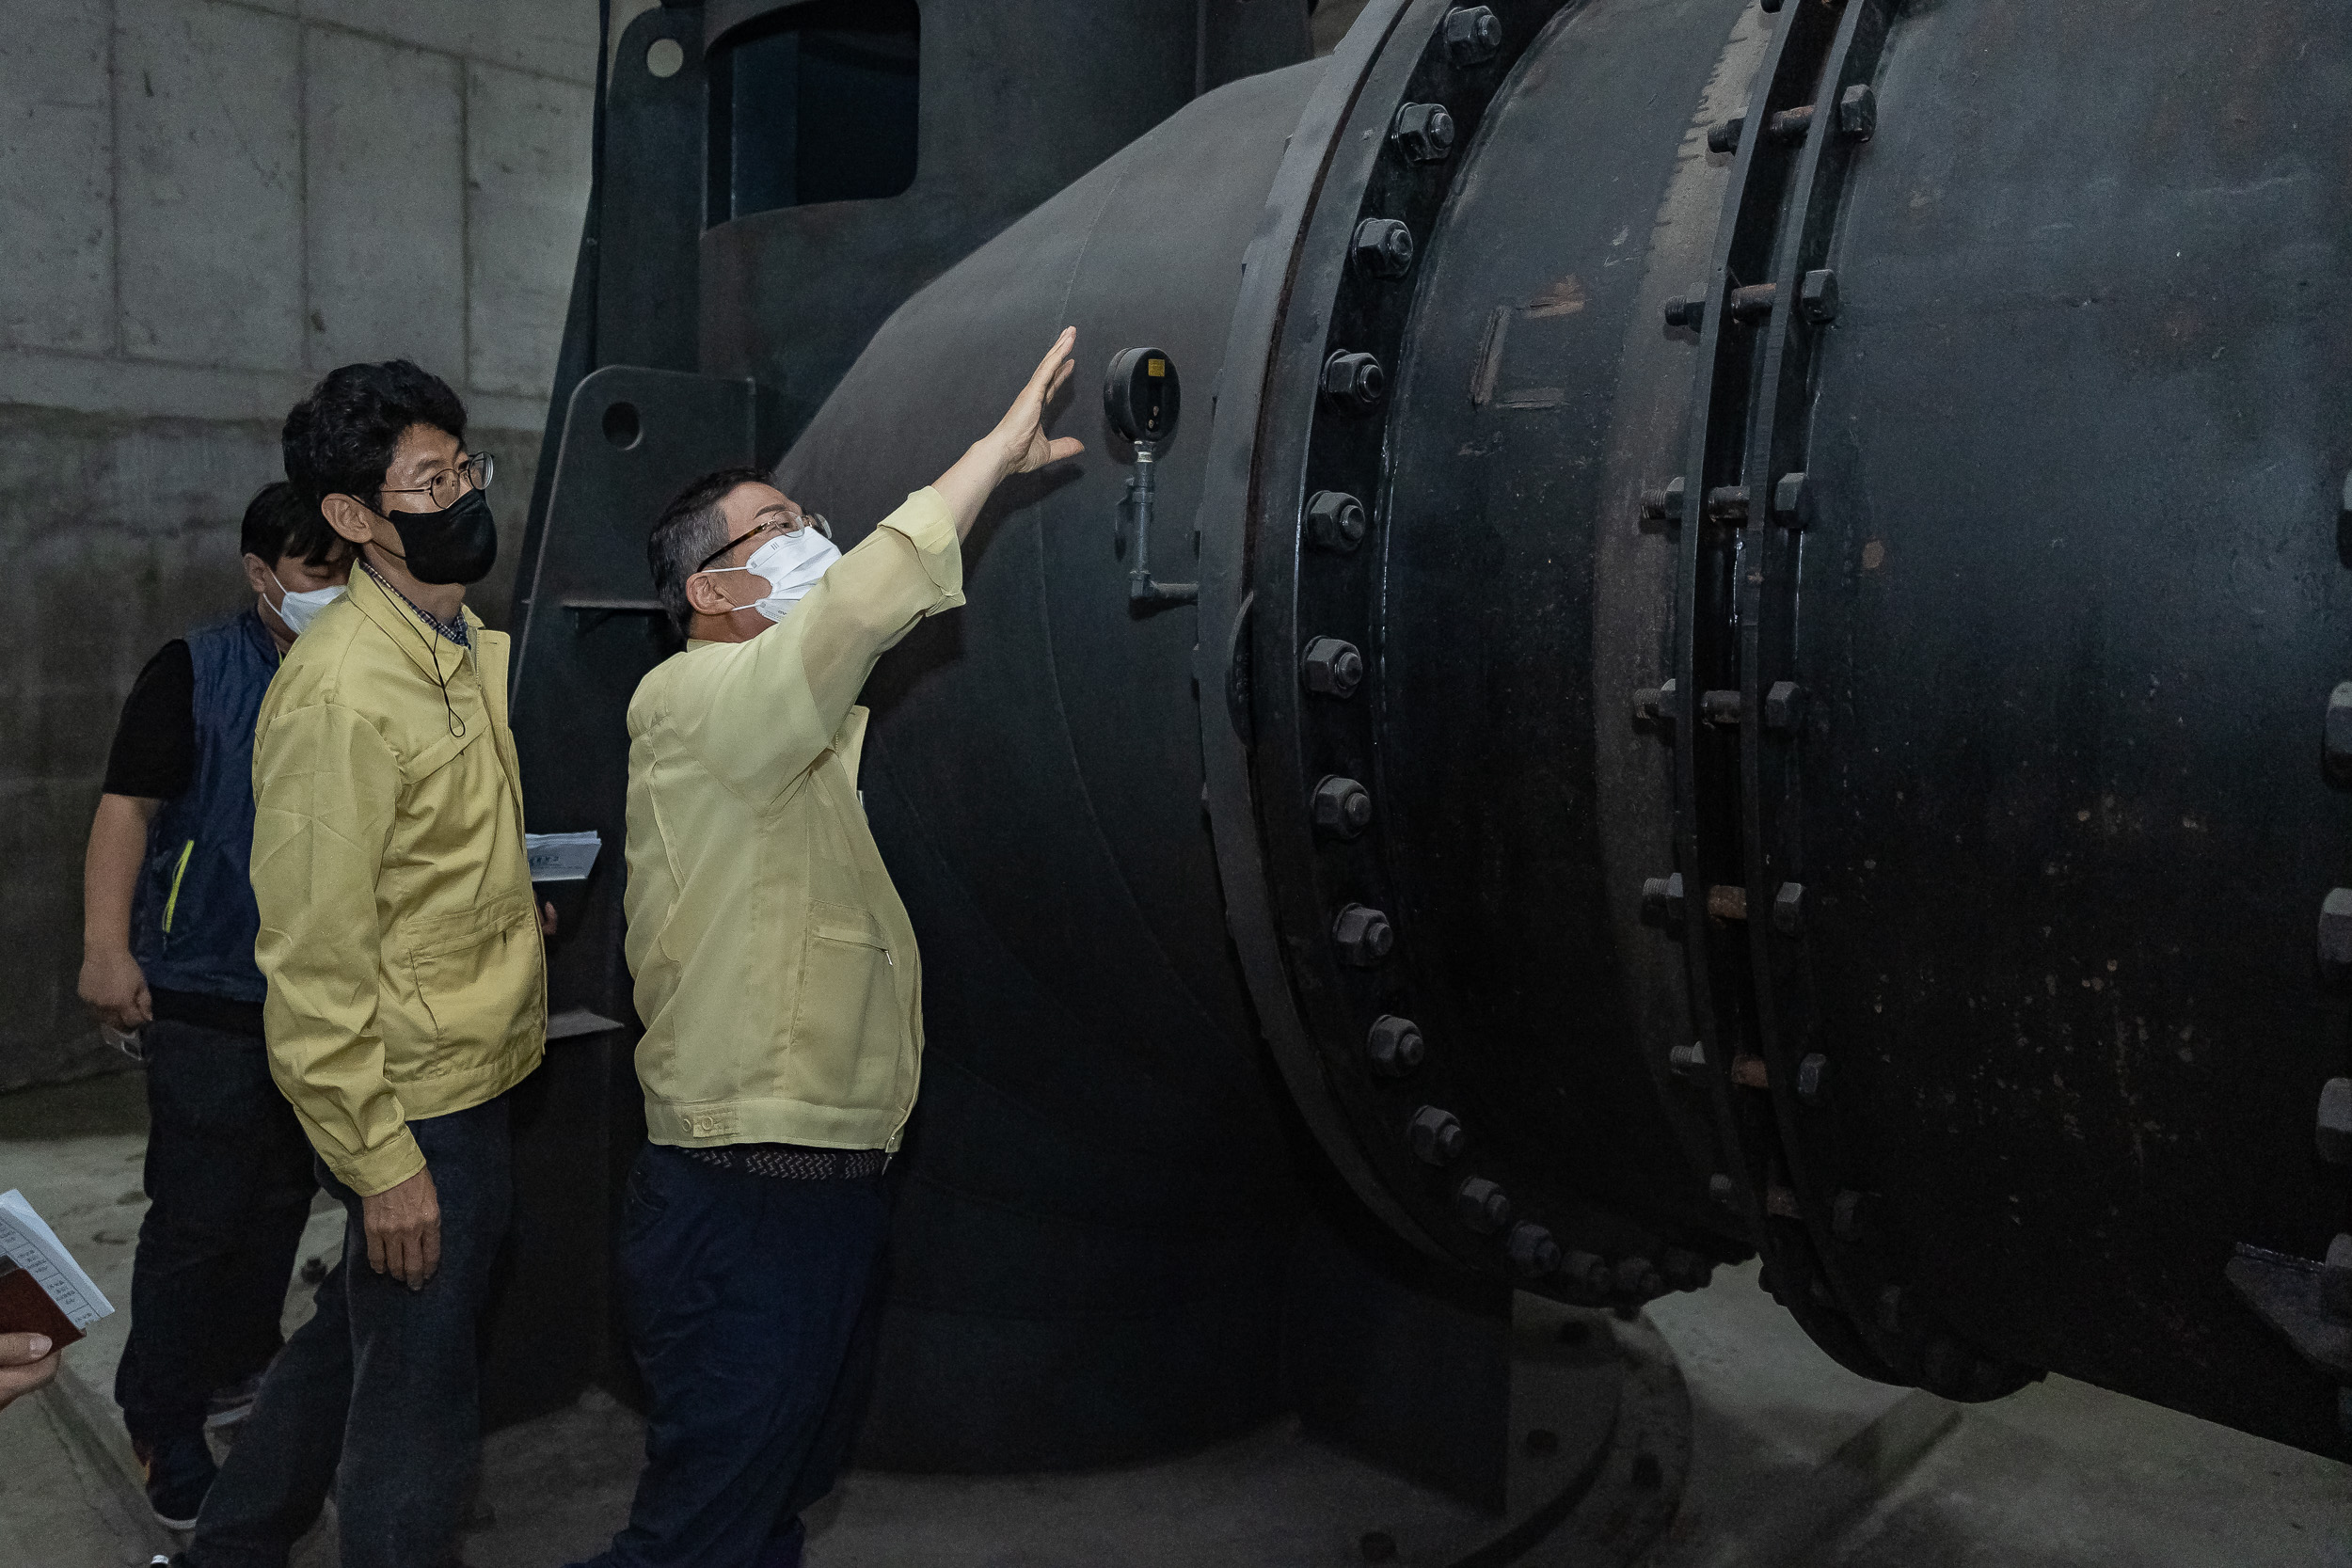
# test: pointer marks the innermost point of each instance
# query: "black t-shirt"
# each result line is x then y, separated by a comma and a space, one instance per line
154, 750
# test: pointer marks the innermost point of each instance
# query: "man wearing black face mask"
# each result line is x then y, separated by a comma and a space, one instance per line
406, 981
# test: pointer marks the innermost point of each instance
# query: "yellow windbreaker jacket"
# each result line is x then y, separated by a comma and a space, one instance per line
399, 935
776, 971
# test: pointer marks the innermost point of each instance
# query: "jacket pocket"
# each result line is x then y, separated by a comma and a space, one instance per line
848, 1029
471, 980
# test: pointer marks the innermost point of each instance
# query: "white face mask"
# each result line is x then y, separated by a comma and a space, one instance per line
300, 609
792, 563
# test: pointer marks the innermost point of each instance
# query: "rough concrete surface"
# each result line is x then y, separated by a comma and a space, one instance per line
1795, 1463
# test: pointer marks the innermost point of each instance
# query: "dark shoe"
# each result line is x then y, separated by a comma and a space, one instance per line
230, 1406
179, 1472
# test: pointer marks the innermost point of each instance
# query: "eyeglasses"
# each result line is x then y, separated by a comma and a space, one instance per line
449, 484
793, 523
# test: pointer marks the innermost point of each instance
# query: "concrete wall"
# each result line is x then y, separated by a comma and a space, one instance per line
204, 205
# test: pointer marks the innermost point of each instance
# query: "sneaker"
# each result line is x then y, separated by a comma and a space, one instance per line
230, 1406
179, 1471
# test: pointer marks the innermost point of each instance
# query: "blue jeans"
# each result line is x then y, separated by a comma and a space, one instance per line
751, 1308
228, 1173
382, 1384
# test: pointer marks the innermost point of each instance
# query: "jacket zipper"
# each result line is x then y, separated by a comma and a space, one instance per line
179, 871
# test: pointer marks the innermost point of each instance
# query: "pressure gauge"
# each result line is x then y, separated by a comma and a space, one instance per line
1140, 395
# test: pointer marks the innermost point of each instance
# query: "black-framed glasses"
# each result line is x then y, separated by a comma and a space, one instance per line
474, 470
793, 523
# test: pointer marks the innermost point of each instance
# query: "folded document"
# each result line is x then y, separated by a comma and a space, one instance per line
42, 1290
561, 857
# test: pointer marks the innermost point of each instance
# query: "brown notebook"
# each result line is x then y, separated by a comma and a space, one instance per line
25, 1307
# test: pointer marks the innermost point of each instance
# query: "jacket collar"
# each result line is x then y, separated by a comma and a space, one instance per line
399, 623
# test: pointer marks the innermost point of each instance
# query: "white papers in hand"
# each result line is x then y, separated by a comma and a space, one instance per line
562, 857
36, 1249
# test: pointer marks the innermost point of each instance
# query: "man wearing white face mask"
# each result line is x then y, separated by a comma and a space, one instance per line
169, 924
782, 993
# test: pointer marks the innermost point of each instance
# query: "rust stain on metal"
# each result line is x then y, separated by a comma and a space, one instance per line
1562, 296
1750, 1072
1727, 902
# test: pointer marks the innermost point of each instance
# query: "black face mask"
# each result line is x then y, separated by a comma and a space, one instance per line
458, 545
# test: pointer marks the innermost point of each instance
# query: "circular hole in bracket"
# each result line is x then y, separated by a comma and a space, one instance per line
666, 57
621, 427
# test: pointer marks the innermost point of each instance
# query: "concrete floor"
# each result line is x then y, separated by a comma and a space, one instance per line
1793, 1461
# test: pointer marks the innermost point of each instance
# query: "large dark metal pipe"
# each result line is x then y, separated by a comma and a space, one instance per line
1823, 555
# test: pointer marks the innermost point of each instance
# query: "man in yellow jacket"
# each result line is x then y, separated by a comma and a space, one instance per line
779, 984
406, 977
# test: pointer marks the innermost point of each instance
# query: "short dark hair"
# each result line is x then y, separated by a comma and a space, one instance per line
687, 532
279, 523
341, 438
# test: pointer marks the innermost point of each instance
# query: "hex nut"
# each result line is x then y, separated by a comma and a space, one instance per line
1818, 296
2335, 739
1342, 807
1363, 934
2335, 1121
1791, 503
2335, 1280
1436, 1136
1582, 1268
1638, 1277
1662, 902
1335, 521
1725, 138
1473, 34
1382, 247
1355, 383
1784, 706
1423, 132
1331, 668
1484, 1207
1395, 1045
1858, 111
1534, 1253
2335, 931
1811, 1072
1788, 910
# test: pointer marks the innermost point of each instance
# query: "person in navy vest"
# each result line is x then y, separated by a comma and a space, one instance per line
168, 926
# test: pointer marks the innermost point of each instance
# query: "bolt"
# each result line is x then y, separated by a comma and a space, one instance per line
1719, 1187
2335, 931
2335, 1281
1784, 706
1436, 1136
1858, 111
2336, 733
1665, 506
1725, 138
1662, 902
1484, 1207
1584, 1268
2335, 1121
1755, 300
1810, 1072
1788, 128
1691, 311
1423, 132
1533, 1250
1846, 1217
1654, 704
1788, 910
1342, 807
1395, 1045
1688, 1060
1335, 521
1473, 34
1720, 707
1382, 247
1790, 505
1728, 503
1364, 935
1638, 1277
1818, 296
1331, 668
1355, 383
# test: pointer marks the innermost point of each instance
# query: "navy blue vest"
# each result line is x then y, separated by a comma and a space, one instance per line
194, 922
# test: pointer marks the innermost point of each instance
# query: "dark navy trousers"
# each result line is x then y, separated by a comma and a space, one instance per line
229, 1176
752, 1304
378, 1395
